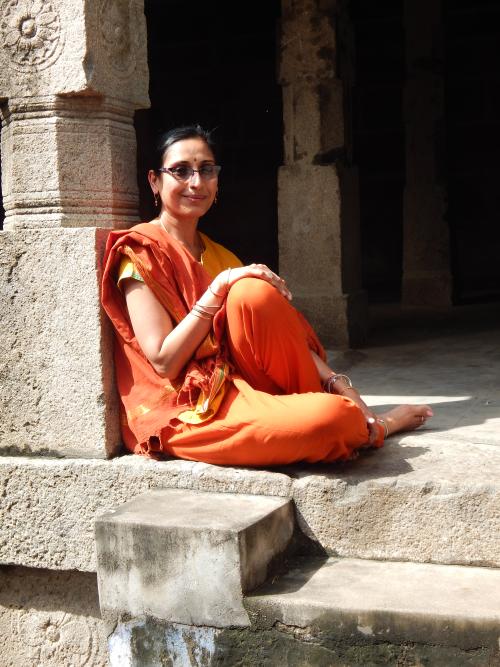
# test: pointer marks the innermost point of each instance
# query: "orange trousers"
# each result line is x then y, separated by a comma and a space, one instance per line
276, 412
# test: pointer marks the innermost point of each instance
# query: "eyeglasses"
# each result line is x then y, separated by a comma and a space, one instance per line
185, 172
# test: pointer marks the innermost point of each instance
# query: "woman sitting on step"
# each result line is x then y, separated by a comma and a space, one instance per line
213, 363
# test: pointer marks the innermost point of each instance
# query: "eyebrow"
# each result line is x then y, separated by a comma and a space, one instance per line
181, 163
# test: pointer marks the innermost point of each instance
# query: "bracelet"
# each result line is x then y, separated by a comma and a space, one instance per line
200, 312
199, 315
219, 296
386, 428
332, 379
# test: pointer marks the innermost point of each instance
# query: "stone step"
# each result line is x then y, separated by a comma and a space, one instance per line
361, 612
187, 556
424, 497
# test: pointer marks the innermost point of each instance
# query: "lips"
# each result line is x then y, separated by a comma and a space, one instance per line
195, 197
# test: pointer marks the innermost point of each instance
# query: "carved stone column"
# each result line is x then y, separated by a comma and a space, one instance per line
427, 277
318, 192
72, 72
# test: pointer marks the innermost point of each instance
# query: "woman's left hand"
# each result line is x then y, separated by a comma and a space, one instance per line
371, 422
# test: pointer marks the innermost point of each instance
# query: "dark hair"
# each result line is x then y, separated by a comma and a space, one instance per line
167, 139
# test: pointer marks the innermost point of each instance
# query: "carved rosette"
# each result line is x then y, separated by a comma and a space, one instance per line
54, 638
31, 33
115, 20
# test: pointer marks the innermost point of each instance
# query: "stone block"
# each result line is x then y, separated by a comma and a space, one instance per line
188, 557
48, 506
71, 47
83, 166
310, 206
50, 619
308, 41
56, 371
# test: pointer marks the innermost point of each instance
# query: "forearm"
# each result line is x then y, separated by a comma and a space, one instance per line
179, 346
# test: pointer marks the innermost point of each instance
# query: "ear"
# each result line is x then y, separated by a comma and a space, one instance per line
153, 181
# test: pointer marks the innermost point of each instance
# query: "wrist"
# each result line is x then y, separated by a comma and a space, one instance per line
217, 290
338, 383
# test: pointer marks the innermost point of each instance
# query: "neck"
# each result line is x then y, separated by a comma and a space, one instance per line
185, 232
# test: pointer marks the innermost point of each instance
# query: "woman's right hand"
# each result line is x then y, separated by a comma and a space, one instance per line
224, 280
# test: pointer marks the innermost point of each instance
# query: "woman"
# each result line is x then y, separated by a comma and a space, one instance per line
213, 363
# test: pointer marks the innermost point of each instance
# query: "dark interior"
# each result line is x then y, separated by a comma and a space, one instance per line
471, 35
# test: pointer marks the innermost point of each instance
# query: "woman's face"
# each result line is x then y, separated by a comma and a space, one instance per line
188, 198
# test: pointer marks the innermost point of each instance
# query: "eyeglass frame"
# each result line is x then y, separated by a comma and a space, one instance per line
169, 170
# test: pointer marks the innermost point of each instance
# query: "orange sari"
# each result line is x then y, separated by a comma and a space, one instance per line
251, 394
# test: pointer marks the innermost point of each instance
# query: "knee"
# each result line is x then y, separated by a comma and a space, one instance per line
252, 292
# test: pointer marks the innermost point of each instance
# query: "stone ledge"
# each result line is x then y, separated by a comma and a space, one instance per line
373, 601
48, 506
340, 612
419, 499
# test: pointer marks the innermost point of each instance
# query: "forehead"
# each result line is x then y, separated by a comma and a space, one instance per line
188, 150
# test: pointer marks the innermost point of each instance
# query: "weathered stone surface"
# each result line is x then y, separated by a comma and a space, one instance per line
314, 272
72, 72
430, 495
314, 202
50, 619
56, 371
70, 47
82, 172
188, 557
48, 507
351, 613
389, 602
149, 643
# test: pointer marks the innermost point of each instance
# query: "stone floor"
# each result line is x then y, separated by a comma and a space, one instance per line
449, 361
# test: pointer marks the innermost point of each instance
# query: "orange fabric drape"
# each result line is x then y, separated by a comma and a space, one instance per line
273, 410
149, 403
275, 413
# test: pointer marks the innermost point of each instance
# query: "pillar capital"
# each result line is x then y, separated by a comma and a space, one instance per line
74, 47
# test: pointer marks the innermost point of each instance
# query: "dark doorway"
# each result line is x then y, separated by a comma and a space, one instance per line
215, 64
471, 127
379, 142
472, 31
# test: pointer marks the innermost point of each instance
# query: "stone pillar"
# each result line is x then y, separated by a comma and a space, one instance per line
72, 72
427, 277
318, 209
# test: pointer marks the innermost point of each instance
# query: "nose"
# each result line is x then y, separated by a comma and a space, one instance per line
195, 179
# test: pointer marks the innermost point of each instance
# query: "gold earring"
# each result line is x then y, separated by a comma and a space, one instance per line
215, 198
156, 200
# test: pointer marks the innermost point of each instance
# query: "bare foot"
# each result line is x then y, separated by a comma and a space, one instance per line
406, 417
